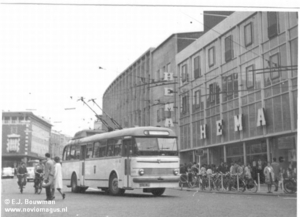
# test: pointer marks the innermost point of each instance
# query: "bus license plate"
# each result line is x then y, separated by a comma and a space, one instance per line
145, 185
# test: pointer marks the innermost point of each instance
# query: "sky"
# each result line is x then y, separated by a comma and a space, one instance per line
50, 54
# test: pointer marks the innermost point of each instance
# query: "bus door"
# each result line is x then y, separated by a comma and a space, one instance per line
82, 164
127, 151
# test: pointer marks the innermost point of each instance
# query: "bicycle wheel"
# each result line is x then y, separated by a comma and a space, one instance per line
218, 184
251, 186
226, 183
183, 180
289, 187
39, 188
242, 186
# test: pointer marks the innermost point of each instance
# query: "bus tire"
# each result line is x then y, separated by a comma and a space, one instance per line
113, 186
74, 186
158, 191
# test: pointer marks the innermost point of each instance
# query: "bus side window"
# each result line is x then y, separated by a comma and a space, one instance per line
89, 151
103, 149
77, 155
65, 154
72, 153
97, 149
110, 147
118, 148
127, 147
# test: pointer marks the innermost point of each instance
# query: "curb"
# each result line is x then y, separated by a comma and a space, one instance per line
241, 193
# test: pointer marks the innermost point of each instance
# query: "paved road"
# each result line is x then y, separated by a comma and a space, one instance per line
173, 203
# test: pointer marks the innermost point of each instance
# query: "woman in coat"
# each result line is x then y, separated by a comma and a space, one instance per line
58, 177
269, 176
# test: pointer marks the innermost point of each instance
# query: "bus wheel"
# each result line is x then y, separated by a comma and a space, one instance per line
113, 186
74, 186
158, 191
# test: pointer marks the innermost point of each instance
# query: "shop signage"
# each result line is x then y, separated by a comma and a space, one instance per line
238, 124
169, 91
219, 127
169, 107
169, 122
168, 76
13, 143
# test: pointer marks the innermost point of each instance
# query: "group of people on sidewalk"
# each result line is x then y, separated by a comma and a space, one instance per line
51, 172
270, 174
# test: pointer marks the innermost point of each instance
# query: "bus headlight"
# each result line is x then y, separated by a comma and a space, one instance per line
176, 172
141, 172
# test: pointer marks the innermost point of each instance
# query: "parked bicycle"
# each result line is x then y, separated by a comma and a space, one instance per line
183, 180
236, 183
203, 181
215, 182
290, 185
250, 185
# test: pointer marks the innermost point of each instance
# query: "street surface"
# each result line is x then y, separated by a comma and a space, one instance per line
173, 203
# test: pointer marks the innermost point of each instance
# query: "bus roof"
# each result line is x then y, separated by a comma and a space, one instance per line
135, 131
85, 133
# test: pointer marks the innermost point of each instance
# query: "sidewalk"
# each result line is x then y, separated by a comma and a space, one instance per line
261, 191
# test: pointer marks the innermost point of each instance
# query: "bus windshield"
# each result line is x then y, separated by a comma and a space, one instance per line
156, 146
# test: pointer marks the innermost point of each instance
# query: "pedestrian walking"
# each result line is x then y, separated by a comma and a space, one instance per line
269, 176
276, 169
260, 169
58, 177
49, 177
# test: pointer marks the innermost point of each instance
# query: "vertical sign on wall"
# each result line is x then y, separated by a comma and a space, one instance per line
168, 76
203, 131
219, 127
169, 91
261, 121
169, 122
169, 107
238, 124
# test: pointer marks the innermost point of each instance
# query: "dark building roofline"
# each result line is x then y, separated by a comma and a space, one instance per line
22, 113
121, 74
171, 36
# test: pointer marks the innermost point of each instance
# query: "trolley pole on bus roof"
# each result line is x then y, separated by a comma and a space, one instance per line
97, 116
112, 120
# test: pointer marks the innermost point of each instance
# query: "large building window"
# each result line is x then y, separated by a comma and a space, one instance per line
158, 115
198, 104
169, 67
163, 116
250, 76
230, 87
214, 94
211, 56
185, 104
158, 75
184, 74
294, 55
14, 120
197, 70
248, 34
274, 66
229, 48
273, 24
6, 120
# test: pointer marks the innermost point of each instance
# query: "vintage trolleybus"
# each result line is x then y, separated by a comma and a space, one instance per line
133, 158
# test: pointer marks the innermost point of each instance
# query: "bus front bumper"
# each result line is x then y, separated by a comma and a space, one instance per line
156, 179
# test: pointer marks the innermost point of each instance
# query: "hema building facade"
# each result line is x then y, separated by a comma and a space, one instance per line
238, 90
